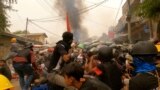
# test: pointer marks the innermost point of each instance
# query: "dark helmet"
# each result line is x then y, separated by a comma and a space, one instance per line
67, 36
92, 51
29, 45
144, 48
105, 54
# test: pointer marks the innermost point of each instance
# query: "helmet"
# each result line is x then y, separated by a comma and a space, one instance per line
13, 40
105, 54
143, 48
5, 84
158, 48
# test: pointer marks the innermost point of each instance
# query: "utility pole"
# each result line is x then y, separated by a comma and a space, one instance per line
26, 30
129, 22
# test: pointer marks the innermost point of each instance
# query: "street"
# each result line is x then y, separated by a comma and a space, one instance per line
15, 83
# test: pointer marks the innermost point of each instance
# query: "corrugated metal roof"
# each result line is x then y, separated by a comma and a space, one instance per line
33, 34
19, 38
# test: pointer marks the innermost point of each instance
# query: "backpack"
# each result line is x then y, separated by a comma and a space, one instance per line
21, 56
40, 87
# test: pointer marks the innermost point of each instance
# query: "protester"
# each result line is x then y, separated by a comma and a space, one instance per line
144, 54
59, 59
73, 75
15, 46
4, 69
109, 72
61, 51
5, 84
22, 65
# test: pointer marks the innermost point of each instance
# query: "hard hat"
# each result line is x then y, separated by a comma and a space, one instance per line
158, 47
105, 54
13, 40
5, 83
144, 48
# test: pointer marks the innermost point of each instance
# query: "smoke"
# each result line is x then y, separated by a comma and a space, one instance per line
72, 9
84, 34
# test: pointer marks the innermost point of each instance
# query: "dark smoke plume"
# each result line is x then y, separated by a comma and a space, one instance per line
72, 8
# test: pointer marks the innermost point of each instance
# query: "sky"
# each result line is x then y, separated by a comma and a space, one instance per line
95, 21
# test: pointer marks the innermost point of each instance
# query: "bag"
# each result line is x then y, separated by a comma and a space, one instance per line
40, 87
21, 56
19, 59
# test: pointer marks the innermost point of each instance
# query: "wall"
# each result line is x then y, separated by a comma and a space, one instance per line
39, 38
4, 45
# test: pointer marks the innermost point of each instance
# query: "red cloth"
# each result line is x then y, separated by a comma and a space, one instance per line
68, 23
97, 71
33, 60
19, 59
33, 57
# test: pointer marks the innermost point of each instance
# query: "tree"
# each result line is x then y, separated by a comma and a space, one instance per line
4, 5
20, 32
150, 9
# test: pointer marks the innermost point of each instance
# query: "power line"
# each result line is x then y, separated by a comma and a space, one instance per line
93, 6
20, 18
102, 6
86, 9
58, 18
47, 4
118, 12
46, 20
43, 7
57, 13
43, 28
51, 1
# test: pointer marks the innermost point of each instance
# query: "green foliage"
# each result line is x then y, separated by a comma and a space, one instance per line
3, 19
4, 5
149, 9
20, 32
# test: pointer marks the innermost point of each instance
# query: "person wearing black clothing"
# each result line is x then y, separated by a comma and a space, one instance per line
61, 51
94, 84
73, 75
143, 81
4, 69
144, 55
110, 72
59, 59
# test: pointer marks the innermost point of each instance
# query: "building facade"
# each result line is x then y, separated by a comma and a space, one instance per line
139, 27
5, 42
39, 37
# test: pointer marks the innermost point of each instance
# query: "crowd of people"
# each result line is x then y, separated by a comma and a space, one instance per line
73, 66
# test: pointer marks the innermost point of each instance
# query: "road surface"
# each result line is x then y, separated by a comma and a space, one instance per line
15, 83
